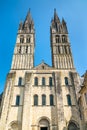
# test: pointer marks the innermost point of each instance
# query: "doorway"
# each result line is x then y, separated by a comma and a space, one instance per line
44, 124
43, 128
72, 126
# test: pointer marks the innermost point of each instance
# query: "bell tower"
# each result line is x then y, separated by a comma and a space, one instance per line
60, 45
23, 57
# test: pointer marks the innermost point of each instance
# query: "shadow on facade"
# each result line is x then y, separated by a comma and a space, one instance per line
65, 128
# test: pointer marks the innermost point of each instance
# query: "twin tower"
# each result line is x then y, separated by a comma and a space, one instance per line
41, 97
23, 57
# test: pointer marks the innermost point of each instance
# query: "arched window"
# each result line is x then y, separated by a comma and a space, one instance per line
20, 81
64, 38
20, 49
51, 100
28, 39
69, 100
43, 99
26, 49
50, 81
43, 81
66, 81
35, 100
17, 100
65, 49
57, 38
36, 81
59, 49
21, 39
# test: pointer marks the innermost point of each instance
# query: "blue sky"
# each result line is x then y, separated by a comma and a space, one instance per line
13, 11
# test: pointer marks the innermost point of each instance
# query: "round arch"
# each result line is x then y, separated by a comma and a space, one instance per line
44, 123
73, 126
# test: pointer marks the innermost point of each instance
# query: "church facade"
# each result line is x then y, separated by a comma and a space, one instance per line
41, 97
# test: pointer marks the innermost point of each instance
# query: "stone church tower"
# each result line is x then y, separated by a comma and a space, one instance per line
41, 97
23, 57
61, 52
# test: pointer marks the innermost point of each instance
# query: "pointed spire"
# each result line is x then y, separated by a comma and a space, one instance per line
56, 18
28, 23
63, 21
28, 17
64, 26
55, 23
20, 25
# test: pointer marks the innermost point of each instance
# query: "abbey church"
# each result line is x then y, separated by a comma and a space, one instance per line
42, 97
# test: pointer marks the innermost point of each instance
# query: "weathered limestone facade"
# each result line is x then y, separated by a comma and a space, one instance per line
41, 97
83, 101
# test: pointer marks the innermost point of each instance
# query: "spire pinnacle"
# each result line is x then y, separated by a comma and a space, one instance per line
56, 18
28, 24
64, 26
28, 17
63, 21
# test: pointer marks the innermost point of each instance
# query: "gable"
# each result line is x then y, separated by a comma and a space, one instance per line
43, 66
